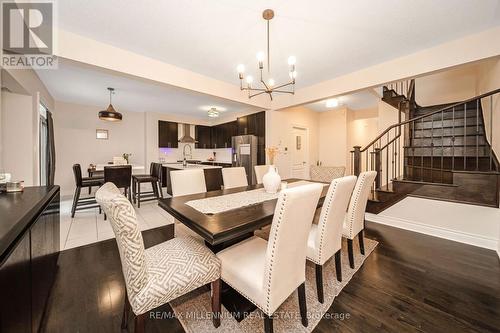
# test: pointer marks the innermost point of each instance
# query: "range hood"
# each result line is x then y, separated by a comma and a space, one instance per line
186, 134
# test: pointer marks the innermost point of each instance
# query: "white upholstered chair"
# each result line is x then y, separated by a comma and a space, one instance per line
325, 238
267, 273
325, 173
260, 171
161, 273
186, 182
234, 177
189, 181
354, 222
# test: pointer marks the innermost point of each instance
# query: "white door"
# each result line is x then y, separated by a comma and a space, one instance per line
300, 153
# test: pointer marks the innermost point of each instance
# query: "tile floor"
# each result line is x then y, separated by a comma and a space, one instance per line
88, 226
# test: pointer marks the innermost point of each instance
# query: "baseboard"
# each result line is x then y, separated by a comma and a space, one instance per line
454, 235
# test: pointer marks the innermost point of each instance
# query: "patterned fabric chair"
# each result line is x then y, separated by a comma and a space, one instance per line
354, 222
159, 274
325, 173
267, 273
325, 238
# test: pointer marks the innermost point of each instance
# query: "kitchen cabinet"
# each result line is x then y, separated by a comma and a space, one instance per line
168, 134
222, 134
255, 124
203, 136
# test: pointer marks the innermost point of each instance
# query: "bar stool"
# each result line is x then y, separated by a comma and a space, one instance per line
154, 178
120, 175
82, 182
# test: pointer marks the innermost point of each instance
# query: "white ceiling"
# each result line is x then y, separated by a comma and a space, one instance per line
83, 84
356, 101
329, 38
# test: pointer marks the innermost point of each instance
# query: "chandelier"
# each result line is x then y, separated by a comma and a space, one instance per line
110, 114
270, 86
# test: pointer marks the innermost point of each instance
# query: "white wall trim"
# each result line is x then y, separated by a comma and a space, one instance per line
457, 236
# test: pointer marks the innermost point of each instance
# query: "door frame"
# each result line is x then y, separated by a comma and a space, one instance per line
292, 141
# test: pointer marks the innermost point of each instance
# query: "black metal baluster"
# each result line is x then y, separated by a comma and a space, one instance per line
442, 145
453, 140
477, 134
432, 148
465, 137
491, 132
421, 150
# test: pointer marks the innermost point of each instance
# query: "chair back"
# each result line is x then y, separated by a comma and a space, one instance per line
260, 171
234, 177
156, 170
123, 220
120, 175
356, 213
185, 182
287, 246
152, 168
77, 173
325, 173
331, 219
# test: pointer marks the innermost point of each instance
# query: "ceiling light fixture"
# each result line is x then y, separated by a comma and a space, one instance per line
110, 114
269, 87
213, 113
332, 103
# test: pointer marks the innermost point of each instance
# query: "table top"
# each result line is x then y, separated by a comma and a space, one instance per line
189, 166
228, 225
100, 167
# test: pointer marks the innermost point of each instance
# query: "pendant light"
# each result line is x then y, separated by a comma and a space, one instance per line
110, 114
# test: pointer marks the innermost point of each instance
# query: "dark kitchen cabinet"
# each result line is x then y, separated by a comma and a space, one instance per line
168, 136
255, 124
203, 136
222, 134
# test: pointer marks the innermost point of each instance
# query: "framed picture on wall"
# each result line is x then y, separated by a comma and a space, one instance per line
101, 134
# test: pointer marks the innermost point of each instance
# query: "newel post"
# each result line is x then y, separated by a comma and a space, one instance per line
378, 167
357, 160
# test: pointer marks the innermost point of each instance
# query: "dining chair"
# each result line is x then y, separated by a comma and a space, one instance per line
161, 273
325, 238
354, 222
83, 182
153, 178
325, 174
121, 176
185, 182
267, 273
234, 177
260, 171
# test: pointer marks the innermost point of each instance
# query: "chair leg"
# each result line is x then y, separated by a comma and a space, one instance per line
216, 314
160, 189
140, 323
75, 201
155, 190
90, 190
361, 238
338, 265
350, 252
138, 195
268, 324
303, 304
134, 190
319, 283
126, 311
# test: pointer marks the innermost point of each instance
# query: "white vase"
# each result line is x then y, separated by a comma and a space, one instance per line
271, 180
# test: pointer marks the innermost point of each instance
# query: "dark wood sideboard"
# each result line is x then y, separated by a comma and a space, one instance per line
29, 249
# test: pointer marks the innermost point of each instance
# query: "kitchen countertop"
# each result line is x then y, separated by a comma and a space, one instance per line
179, 166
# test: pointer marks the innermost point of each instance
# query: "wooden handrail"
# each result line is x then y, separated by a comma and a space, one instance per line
493, 92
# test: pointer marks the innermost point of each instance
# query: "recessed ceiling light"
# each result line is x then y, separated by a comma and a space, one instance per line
332, 103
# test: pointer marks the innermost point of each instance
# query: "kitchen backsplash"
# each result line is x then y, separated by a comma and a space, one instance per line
174, 154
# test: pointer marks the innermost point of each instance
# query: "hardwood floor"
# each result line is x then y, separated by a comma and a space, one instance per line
411, 283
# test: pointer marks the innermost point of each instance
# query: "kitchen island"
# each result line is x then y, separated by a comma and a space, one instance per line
213, 175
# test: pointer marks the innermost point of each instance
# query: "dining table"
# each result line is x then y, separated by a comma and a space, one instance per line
225, 217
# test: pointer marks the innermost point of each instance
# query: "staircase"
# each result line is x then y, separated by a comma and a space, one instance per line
440, 152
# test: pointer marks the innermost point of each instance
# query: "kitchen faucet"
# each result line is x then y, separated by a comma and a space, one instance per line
190, 154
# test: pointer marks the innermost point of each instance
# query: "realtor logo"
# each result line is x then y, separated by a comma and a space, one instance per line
28, 35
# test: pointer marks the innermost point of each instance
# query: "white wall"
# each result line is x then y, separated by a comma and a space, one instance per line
75, 139
19, 137
279, 133
333, 137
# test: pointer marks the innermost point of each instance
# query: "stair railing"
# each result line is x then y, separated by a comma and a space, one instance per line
403, 87
386, 153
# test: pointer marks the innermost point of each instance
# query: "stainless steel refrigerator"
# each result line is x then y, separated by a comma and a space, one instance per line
245, 154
